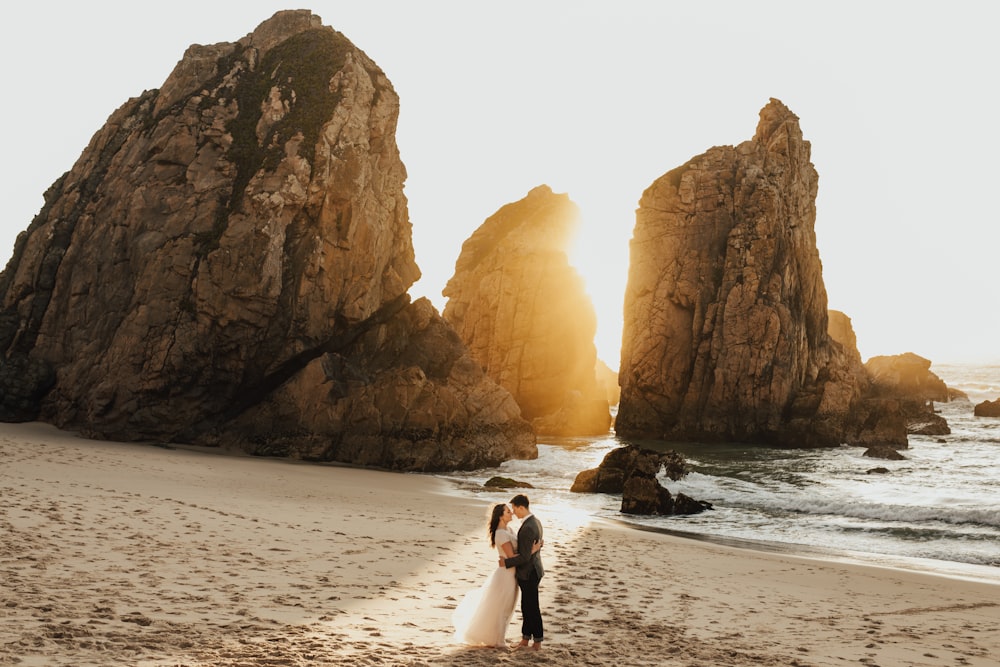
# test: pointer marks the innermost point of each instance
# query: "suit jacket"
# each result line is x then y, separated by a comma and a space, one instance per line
524, 560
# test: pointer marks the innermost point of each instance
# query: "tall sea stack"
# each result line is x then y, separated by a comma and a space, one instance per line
726, 331
228, 263
524, 313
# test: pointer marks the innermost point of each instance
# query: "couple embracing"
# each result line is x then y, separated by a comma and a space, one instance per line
483, 615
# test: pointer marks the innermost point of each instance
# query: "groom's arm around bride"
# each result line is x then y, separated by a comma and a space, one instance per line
529, 541
528, 556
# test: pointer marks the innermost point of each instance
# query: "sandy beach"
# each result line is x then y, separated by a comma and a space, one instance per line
131, 554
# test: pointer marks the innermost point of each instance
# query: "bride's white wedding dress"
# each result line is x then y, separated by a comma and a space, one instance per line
483, 615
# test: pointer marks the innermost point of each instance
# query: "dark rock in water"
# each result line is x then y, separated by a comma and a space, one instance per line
884, 452
525, 314
646, 496
228, 263
927, 423
957, 394
506, 483
631, 471
622, 463
883, 421
877, 471
685, 504
987, 409
597, 481
727, 335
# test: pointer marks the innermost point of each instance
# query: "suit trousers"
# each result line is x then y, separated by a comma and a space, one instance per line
531, 613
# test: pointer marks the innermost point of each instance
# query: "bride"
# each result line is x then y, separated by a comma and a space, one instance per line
482, 617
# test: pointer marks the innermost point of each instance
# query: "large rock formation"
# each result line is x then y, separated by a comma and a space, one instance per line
522, 310
726, 325
228, 262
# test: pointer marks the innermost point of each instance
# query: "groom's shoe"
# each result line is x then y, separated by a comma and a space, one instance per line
536, 646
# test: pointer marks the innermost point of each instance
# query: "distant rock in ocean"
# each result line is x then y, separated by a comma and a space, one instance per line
987, 409
908, 378
523, 311
228, 263
726, 334
633, 472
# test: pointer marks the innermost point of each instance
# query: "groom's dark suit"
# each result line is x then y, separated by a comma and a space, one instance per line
529, 573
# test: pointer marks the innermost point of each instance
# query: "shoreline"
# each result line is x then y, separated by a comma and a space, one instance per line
929, 566
934, 567
957, 569
135, 554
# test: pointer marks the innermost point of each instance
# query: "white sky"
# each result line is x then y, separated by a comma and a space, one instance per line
900, 101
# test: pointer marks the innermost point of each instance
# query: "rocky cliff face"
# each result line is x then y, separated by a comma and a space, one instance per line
219, 240
522, 310
405, 394
726, 325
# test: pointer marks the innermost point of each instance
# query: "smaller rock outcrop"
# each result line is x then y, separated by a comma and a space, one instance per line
621, 463
522, 310
987, 409
956, 395
631, 471
908, 378
645, 495
884, 452
840, 329
927, 423
498, 482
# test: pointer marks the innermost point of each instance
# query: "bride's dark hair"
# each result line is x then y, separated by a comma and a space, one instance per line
495, 516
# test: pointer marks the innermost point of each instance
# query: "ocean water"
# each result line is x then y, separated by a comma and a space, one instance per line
937, 510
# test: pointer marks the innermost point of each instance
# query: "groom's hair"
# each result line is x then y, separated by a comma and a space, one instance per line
520, 500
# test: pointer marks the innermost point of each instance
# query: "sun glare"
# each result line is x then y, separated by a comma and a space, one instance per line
602, 262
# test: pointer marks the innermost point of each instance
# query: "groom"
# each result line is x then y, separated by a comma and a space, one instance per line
529, 570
